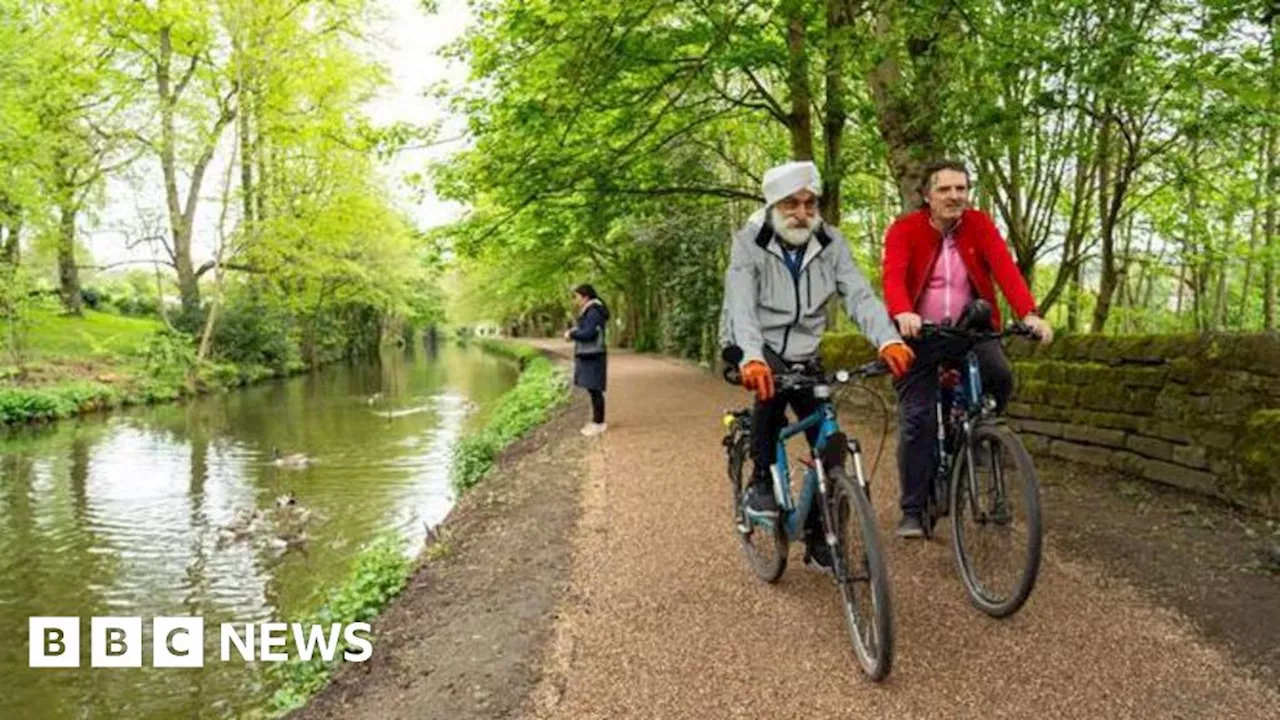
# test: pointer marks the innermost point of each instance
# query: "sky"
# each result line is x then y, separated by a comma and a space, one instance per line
405, 39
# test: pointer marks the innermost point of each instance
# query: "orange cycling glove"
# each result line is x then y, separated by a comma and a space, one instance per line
757, 376
898, 358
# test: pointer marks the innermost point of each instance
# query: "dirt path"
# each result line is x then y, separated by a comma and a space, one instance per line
663, 620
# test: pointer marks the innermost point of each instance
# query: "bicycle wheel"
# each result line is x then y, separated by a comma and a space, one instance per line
765, 547
995, 520
860, 574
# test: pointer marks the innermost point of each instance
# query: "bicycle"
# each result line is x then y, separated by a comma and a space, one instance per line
833, 478
975, 448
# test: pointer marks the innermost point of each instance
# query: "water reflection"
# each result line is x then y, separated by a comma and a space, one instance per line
125, 515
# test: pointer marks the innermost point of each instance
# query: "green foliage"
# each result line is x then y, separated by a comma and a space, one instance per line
251, 330
379, 574
1137, 140
542, 387
15, 311
167, 355
44, 404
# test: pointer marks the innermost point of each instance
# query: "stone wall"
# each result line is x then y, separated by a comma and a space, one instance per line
1197, 412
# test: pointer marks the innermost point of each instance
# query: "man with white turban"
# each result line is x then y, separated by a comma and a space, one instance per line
784, 267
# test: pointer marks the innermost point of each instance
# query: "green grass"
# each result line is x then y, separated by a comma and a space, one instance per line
97, 334
379, 574
542, 387
74, 365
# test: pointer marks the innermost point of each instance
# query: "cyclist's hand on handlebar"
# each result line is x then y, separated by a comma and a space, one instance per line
1039, 328
908, 324
898, 358
757, 377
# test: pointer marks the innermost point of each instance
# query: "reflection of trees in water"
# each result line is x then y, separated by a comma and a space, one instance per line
69, 507
53, 561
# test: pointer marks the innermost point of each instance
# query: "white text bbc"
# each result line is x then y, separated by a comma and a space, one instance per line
178, 642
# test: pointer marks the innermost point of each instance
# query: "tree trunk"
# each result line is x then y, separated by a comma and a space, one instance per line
246, 164
1221, 265
801, 117
182, 213
1073, 299
1255, 228
11, 252
905, 120
1273, 183
839, 18
1182, 284
1107, 282
68, 273
1269, 231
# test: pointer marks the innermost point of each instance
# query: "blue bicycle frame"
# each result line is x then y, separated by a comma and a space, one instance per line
966, 397
796, 512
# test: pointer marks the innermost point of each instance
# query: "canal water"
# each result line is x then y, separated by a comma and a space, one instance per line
147, 512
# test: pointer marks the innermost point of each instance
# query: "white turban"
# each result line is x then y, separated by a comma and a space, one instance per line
790, 178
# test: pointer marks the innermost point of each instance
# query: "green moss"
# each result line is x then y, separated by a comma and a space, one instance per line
1258, 451
841, 350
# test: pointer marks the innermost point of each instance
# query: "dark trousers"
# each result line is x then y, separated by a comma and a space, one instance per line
917, 414
597, 405
767, 420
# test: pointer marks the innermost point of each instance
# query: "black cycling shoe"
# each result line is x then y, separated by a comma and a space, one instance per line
817, 555
761, 503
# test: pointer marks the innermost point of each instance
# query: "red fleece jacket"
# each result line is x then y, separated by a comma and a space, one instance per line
912, 245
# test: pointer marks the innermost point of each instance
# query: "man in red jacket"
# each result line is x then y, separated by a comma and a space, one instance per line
936, 261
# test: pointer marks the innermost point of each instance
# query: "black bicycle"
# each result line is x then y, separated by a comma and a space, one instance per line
985, 479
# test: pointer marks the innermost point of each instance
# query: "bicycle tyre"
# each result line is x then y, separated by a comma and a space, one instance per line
964, 505
875, 651
767, 566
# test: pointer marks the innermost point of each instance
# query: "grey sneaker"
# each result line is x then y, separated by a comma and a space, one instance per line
910, 526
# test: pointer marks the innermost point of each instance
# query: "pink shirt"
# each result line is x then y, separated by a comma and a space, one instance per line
948, 290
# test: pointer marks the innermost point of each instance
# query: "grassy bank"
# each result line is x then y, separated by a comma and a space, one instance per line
542, 388
381, 571
73, 365
379, 574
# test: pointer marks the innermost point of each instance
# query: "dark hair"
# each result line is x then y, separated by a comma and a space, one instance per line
933, 168
587, 292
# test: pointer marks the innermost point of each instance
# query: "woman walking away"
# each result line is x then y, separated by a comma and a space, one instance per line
590, 354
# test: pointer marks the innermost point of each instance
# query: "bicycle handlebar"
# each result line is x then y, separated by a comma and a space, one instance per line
975, 335
798, 379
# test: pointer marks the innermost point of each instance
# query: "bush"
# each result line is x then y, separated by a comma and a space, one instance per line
168, 355
541, 388
251, 332
27, 405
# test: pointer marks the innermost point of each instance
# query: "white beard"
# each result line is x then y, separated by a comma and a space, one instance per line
792, 235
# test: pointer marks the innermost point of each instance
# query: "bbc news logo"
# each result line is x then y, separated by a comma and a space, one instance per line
178, 642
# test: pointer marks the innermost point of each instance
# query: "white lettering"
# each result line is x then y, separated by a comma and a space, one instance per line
316, 637
243, 645
274, 635
366, 647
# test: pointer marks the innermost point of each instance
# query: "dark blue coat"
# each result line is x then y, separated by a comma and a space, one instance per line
590, 355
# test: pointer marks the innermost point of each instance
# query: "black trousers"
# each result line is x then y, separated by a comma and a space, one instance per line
917, 416
597, 405
767, 420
